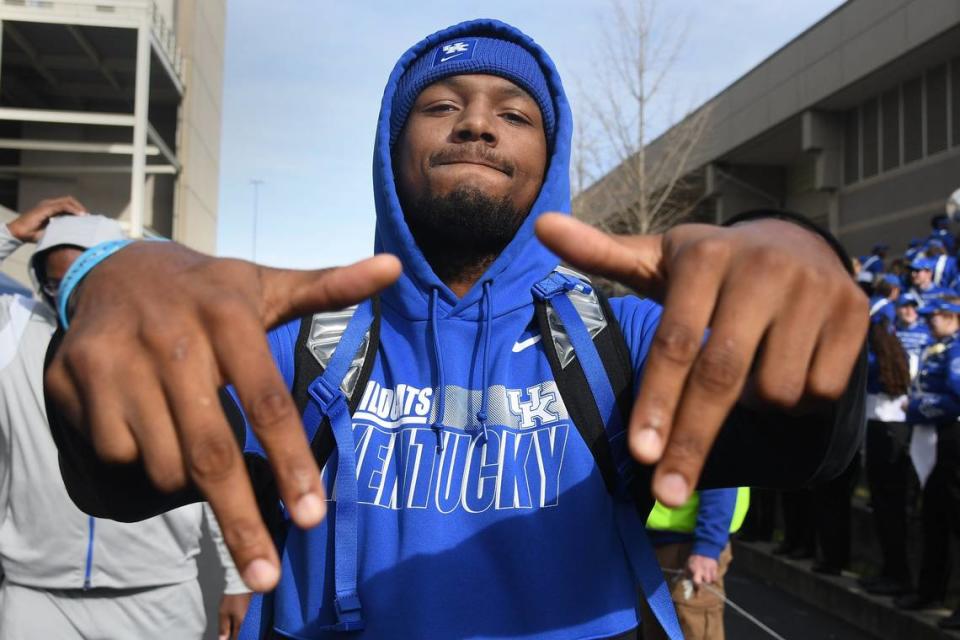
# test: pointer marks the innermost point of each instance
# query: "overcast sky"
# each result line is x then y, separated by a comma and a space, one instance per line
303, 81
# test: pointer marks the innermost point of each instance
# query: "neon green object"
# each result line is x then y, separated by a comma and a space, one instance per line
683, 519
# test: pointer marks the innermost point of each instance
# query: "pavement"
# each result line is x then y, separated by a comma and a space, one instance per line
790, 595
785, 615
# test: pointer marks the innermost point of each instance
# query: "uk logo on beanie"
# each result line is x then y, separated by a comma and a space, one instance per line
459, 50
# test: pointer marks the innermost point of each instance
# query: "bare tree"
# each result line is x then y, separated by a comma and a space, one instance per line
646, 187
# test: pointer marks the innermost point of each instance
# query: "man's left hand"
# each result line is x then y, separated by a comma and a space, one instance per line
786, 322
233, 607
702, 570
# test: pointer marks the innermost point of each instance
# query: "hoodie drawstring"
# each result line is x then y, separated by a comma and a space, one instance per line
487, 329
441, 403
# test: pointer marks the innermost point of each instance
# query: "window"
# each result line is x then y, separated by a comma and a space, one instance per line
870, 132
890, 128
913, 120
937, 109
955, 99
851, 147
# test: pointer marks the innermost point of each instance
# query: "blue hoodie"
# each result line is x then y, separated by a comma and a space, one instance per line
512, 538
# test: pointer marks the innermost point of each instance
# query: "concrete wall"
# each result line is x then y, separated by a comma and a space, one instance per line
859, 48
200, 33
898, 205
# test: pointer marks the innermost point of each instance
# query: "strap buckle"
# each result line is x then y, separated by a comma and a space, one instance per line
325, 394
349, 612
557, 283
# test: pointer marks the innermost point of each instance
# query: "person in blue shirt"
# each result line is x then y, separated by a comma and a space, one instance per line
944, 265
914, 248
692, 544
874, 262
464, 501
940, 224
885, 291
912, 330
935, 400
921, 277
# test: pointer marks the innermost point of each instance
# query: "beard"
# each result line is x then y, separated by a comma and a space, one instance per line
460, 233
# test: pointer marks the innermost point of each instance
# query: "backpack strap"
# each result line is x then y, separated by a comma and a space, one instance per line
329, 405
576, 307
334, 356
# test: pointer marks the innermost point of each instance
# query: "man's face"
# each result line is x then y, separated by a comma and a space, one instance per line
480, 133
56, 264
907, 313
944, 324
921, 277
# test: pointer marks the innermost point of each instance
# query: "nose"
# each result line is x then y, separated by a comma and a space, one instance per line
476, 124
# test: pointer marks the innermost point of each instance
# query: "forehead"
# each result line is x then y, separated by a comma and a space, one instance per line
481, 83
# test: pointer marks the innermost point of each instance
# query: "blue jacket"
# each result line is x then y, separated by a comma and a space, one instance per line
935, 396
872, 263
914, 337
932, 293
712, 532
945, 237
881, 307
945, 271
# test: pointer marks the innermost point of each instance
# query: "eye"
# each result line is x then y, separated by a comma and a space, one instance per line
440, 107
516, 117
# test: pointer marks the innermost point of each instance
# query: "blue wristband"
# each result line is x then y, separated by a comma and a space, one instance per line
80, 268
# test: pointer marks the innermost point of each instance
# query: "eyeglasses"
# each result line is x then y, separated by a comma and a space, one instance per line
51, 288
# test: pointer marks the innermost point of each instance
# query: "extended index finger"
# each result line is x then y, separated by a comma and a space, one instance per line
631, 260
290, 293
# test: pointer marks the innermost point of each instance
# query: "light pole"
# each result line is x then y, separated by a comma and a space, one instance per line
256, 182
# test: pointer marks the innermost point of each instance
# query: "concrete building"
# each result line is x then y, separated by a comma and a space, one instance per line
118, 103
854, 123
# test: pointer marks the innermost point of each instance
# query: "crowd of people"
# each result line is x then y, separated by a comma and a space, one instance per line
912, 447
913, 434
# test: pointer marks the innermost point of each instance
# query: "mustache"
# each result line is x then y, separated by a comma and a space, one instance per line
477, 154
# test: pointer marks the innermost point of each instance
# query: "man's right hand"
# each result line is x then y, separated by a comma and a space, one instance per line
157, 329
29, 226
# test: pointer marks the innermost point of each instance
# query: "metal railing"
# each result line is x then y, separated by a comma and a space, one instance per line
134, 10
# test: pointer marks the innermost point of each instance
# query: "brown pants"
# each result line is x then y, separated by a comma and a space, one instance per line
701, 616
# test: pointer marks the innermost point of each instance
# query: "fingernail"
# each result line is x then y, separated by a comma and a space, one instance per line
222, 636
672, 490
310, 509
648, 443
260, 575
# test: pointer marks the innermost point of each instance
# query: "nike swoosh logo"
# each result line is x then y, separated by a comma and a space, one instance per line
453, 56
529, 342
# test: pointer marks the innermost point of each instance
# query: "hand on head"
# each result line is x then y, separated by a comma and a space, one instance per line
29, 226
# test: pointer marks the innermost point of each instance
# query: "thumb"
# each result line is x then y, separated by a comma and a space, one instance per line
635, 261
290, 293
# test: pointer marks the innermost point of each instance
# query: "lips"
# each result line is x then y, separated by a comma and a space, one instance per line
479, 156
479, 163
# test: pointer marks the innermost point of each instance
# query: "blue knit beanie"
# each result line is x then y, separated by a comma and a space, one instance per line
472, 55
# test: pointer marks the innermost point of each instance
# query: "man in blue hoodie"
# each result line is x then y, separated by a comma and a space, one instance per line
467, 503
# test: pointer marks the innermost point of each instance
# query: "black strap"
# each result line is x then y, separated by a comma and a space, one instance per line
574, 389
307, 369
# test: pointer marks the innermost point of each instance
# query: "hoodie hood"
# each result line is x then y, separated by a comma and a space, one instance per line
525, 260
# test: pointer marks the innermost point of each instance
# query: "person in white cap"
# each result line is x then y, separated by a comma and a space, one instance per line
67, 574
